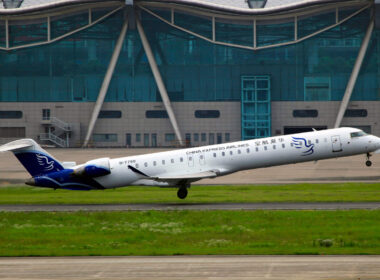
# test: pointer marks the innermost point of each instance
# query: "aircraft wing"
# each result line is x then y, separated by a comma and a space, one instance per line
178, 178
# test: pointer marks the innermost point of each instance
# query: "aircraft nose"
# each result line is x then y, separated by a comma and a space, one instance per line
30, 182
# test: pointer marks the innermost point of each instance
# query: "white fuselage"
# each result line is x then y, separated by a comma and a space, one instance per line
236, 156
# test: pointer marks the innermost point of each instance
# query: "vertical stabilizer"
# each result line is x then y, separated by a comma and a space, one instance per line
35, 159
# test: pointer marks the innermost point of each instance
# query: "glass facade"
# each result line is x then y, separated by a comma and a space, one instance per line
23, 32
240, 32
193, 69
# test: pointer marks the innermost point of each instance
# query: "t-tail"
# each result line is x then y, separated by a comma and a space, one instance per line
36, 160
48, 172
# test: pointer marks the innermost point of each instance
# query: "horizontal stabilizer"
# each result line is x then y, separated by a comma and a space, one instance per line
18, 144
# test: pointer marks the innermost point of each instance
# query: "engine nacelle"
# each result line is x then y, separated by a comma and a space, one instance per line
94, 168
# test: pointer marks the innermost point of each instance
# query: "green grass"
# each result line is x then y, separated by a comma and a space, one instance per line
197, 194
190, 232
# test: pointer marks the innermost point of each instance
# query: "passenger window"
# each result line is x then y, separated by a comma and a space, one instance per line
137, 165
223, 153
154, 163
309, 142
181, 159
265, 148
283, 145
190, 158
274, 147
214, 154
231, 153
163, 162
316, 141
146, 164
257, 149
291, 144
239, 152
172, 160
248, 151
201, 156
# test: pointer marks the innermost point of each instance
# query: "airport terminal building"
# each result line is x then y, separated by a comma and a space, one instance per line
157, 73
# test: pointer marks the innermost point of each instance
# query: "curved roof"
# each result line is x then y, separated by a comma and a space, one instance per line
241, 6
232, 6
29, 6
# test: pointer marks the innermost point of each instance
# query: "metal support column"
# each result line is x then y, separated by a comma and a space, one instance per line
159, 81
354, 75
106, 82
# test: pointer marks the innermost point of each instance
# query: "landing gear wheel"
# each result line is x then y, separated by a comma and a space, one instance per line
368, 162
182, 193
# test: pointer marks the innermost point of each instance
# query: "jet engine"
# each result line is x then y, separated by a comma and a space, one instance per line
94, 168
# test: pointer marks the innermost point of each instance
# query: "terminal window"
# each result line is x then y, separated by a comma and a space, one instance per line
207, 114
10, 114
104, 137
356, 113
107, 114
305, 113
317, 88
156, 114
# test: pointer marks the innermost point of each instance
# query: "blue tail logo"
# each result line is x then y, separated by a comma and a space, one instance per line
44, 162
301, 143
38, 163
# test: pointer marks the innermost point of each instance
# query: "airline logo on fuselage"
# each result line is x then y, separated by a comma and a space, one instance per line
306, 147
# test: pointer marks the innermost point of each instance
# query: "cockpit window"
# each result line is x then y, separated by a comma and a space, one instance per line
358, 134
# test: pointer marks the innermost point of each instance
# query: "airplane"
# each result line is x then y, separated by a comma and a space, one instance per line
180, 168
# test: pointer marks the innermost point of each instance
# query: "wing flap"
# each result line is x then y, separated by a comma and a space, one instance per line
192, 177
196, 176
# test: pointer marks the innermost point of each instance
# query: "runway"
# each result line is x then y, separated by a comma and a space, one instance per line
192, 267
199, 206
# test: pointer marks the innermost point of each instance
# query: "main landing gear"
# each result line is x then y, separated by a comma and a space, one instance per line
182, 191
368, 161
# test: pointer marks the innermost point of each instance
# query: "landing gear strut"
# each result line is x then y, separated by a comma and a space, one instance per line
368, 162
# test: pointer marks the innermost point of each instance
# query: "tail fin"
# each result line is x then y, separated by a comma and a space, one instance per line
35, 159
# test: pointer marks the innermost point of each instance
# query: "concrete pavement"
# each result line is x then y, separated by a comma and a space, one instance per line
192, 267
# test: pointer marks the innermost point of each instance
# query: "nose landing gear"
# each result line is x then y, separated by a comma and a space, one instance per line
368, 161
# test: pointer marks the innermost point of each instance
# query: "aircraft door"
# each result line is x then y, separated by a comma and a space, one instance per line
190, 160
336, 143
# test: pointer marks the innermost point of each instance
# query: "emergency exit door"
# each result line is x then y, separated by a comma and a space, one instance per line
336, 143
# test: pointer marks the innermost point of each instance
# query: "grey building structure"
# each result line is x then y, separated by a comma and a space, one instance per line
147, 73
